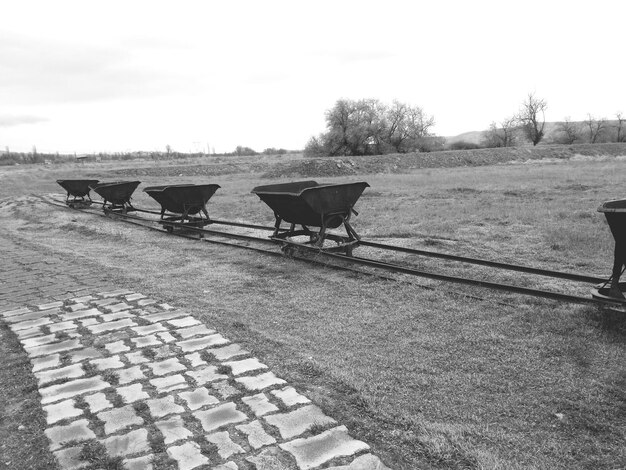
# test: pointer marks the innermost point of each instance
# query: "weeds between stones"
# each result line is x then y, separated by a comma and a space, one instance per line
224, 369
90, 369
95, 453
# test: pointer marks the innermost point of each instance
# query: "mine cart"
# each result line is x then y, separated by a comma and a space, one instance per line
615, 213
79, 190
310, 204
183, 202
116, 195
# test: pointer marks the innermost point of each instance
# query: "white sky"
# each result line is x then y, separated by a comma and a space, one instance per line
91, 76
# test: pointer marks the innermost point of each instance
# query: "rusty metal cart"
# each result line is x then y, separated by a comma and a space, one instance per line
116, 195
185, 201
79, 190
310, 204
615, 213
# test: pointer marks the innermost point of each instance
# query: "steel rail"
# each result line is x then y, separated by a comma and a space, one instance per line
456, 279
484, 262
463, 259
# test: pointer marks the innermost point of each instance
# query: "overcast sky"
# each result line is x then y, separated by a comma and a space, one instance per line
91, 76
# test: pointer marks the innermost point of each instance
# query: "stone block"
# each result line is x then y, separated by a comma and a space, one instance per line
245, 365
164, 316
225, 446
259, 382
203, 342
169, 383
97, 402
198, 330
257, 437
134, 442
296, 422
106, 363
198, 398
119, 418
166, 367
195, 360
131, 374
206, 375
62, 326
219, 416
160, 407
79, 314
60, 411
46, 362
70, 372
110, 326
290, 397
184, 322
187, 455
133, 297
116, 347
173, 429
148, 329
136, 357
76, 431
227, 352
71, 389
260, 404
132, 393
166, 337
314, 451
145, 341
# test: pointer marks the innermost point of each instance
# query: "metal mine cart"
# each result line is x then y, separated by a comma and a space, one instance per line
615, 213
116, 195
310, 204
183, 202
79, 190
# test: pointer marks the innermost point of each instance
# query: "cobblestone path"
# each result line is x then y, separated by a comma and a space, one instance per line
126, 378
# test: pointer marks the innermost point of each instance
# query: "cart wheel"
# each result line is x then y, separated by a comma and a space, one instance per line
169, 228
288, 250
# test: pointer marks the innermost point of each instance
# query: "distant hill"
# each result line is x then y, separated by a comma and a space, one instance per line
551, 136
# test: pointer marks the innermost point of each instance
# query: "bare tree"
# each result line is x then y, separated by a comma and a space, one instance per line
596, 127
569, 131
532, 118
503, 136
620, 127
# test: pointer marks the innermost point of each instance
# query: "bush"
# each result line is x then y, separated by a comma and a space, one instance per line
464, 145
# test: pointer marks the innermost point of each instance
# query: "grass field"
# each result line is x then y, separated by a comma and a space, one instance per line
438, 378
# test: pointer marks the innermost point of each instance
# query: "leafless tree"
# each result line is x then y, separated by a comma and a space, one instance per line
596, 127
569, 131
620, 127
503, 136
532, 118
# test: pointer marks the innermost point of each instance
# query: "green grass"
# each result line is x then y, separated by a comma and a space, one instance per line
430, 378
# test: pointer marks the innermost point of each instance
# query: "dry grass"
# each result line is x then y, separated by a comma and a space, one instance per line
431, 378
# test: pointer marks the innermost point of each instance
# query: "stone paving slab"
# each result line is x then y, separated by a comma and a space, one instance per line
153, 384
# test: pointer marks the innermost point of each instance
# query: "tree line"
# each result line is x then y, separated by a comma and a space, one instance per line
528, 124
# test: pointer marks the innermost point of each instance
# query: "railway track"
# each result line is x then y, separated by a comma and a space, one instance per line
323, 257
